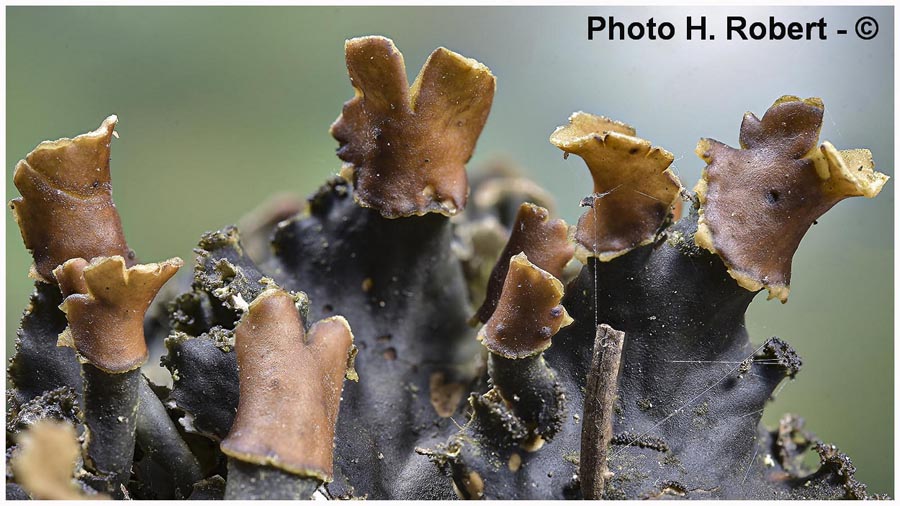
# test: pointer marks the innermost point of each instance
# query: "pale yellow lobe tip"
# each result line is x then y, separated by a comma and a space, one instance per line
583, 127
448, 206
515, 462
361, 41
566, 319
812, 101
475, 65
104, 131
343, 322
775, 291
745, 281
35, 275
779, 292
65, 338
474, 485
268, 292
702, 150
521, 260
583, 253
339, 319
849, 172
46, 460
532, 445
703, 237
701, 188
347, 171
350, 373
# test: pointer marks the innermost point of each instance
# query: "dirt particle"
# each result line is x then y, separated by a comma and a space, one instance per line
702, 410
445, 395
642, 441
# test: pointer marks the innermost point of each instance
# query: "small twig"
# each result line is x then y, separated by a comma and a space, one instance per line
600, 398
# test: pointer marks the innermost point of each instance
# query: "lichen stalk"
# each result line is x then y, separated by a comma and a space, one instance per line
110, 404
252, 482
105, 303
157, 436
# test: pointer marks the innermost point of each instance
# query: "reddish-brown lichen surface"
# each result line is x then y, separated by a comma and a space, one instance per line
634, 190
405, 147
758, 202
544, 241
105, 303
528, 314
66, 209
279, 362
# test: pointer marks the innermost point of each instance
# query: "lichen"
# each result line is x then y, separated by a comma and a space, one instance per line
627, 373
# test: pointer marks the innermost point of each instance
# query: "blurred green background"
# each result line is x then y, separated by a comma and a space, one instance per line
220, 107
